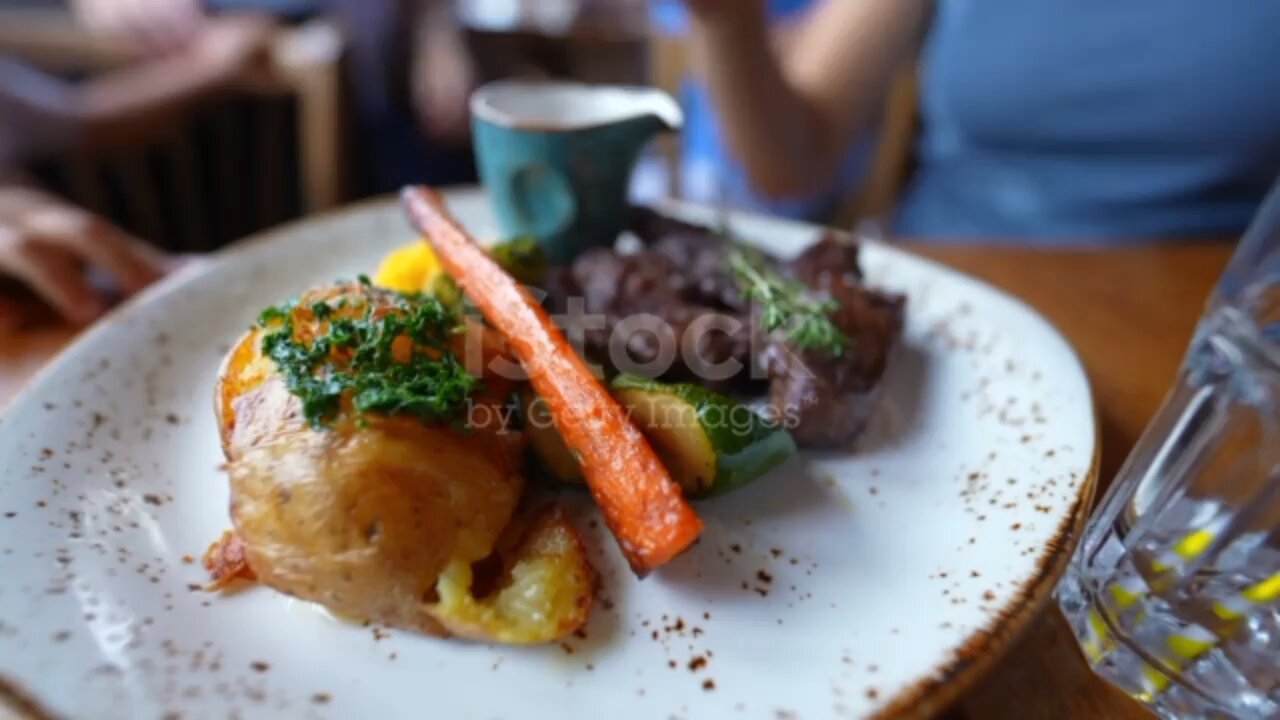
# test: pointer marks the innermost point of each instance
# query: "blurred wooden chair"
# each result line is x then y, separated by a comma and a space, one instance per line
890, 164
228, 168
669, 66
894, 156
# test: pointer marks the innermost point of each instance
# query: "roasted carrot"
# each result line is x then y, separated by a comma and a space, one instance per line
642, 505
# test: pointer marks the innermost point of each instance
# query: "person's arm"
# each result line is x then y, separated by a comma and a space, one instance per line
144, 28
791, 119
133, 102
46, 243
40, 113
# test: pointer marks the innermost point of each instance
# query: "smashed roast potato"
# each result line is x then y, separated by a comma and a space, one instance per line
355, 484
535, 587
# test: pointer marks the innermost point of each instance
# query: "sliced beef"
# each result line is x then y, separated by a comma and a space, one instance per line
682, 275
697, 252
649, 282
831, 260
826, 399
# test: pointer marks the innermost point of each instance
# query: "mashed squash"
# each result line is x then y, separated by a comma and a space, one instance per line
409, 268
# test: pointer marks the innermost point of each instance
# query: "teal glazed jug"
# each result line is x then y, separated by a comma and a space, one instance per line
556, 157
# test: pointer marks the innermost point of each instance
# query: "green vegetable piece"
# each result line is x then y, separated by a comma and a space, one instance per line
550, 454
710, 443
355, 356
787, 305
523, 258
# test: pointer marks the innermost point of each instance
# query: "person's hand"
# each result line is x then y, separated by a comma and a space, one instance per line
149, 27
443, 76
49, 245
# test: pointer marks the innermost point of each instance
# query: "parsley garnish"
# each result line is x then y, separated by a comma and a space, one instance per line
355, 351
272, 314
787, 305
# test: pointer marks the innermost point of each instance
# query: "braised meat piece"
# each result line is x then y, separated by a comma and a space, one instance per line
698, 253
827, 399
833, 259
682, 276
623, 288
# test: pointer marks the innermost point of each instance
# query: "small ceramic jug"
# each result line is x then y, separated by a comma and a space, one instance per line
556, 157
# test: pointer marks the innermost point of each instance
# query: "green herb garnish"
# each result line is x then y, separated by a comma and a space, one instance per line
321, 310
787, 305
356, 353
275, 313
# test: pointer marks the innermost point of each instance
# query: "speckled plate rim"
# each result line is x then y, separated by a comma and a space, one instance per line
925, 698
986, 645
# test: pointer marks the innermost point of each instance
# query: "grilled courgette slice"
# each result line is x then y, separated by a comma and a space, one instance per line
551, 455
710, 443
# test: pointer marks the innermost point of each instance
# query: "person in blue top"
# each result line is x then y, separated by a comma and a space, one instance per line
708, 172
1043, 120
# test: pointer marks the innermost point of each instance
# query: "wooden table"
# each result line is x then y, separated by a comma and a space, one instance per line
1129, 312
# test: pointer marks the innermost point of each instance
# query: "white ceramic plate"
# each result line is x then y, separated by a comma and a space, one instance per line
874, 582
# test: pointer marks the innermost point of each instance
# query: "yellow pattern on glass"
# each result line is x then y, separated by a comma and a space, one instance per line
1153, 680
1193, 543
1188, 547
1265, 591
1190, 643
1098, 644
1229, 609
1124, 596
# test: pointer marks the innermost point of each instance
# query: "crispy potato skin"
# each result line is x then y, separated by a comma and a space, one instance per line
363, 520
359, 519
226, 562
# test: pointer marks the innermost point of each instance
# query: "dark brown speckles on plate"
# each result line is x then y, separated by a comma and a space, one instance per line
753, 543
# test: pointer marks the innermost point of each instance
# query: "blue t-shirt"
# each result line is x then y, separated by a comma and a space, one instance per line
1095, 119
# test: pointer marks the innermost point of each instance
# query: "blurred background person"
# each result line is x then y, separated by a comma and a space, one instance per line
708, 171
410, 74
71, 259
1050, 119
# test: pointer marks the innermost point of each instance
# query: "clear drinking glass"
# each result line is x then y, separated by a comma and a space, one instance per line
1174, 592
